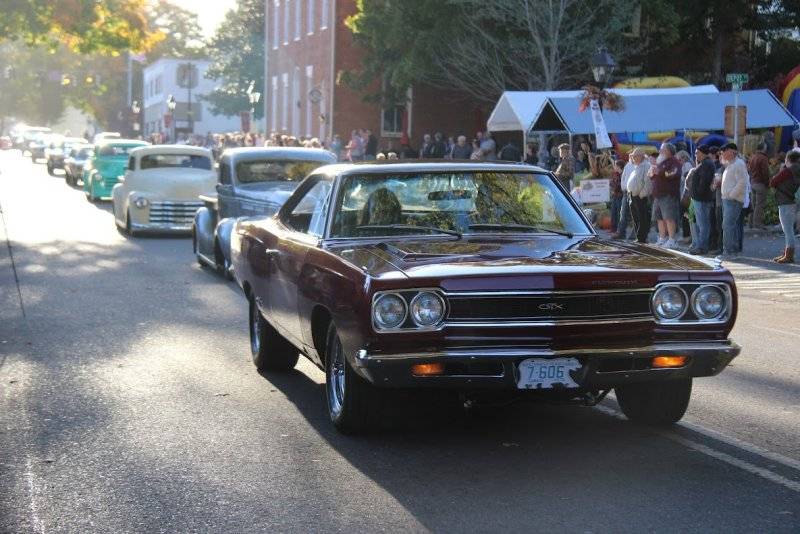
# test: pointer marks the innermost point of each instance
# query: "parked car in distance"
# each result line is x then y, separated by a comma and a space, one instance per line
107, 163
251, 182
23, 135
58, 149
102, 136
161, 188
74, 162
480, 278
40, 143
5, 143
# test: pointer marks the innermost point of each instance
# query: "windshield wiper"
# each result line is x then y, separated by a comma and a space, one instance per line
409, 227
511, 226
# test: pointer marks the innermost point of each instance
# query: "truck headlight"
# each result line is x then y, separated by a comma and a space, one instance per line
141, 202
389, 311
669, 302
427, 309
708, 302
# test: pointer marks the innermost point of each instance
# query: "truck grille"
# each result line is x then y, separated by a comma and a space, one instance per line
178, 213
544, 306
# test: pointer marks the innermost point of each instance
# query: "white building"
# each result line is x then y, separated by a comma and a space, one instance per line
165, 77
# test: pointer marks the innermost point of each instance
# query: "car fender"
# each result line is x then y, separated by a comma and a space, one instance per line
138, 215
119, 202
204, 231
222, 235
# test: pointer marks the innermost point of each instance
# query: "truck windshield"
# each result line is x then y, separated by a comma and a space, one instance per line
248, 172
157, 161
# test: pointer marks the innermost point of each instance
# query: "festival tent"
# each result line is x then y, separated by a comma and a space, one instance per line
517, 110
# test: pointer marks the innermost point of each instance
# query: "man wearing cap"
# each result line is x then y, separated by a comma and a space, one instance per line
666, 176
621, 231
702, 198
733, 189
566, 169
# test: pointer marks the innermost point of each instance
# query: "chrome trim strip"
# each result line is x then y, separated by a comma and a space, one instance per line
543, 292
550, 323
166, 227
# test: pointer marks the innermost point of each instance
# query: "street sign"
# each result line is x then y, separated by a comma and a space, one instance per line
737, 78
732, 122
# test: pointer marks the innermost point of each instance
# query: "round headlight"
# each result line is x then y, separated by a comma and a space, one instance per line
141, 202
708, 302
427, 309
669, 302
389, 311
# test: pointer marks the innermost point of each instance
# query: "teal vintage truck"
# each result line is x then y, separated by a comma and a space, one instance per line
109, 161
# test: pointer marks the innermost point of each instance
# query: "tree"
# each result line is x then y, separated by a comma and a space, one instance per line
237, 58
179, 31
82, 25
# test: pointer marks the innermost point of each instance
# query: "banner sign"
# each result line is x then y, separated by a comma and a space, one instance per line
601, 134
595, 191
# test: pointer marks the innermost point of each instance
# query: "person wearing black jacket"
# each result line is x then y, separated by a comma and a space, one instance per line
437, 149
702, 198
371, 150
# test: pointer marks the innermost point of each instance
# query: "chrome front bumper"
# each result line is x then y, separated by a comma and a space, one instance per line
161, 227
601, 368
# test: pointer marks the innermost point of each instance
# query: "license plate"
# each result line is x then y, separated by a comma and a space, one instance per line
540, 373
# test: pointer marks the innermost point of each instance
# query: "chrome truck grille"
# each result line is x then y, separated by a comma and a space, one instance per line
178, 213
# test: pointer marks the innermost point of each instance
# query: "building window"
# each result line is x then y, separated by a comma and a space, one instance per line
309, 103
297, 19
274, 106
287, 7
276, 25
392, 121
285, 102
311, 16
323, 23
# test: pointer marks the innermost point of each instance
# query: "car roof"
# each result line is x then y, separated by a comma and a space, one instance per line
430, 166
119, 141
171, 149
279, 153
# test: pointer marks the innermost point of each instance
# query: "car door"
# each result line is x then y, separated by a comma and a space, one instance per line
225, 193
300, 227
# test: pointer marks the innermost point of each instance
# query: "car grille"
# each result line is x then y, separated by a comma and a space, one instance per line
178, 213
468, 308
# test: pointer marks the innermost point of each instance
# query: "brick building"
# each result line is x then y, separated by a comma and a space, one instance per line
308, 47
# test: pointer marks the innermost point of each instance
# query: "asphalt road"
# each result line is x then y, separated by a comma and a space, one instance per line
128, 403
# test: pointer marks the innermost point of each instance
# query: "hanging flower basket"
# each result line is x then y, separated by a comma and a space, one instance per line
611, 101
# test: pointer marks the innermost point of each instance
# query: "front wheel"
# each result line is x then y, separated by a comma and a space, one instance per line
352, 401
50, 169
655, 403
270, 350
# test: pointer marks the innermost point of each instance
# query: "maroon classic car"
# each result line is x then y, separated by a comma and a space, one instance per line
481, 278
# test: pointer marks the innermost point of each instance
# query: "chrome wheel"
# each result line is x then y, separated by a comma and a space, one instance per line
255, 328
336, 379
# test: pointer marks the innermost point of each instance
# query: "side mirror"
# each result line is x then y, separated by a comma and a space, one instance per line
224, 188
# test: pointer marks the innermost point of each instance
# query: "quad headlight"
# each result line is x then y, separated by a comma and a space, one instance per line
141, 202
708, 302
427, 309
389, 311
669, 303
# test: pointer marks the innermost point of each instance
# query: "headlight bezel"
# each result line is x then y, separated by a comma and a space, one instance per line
380, 325
409, 324
684, 296
141, 202
691, 291
694, 300
416, 300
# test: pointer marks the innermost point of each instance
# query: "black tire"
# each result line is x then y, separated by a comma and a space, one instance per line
50, 169
355, 407
128, 229
655, 403
270, 350
68, 177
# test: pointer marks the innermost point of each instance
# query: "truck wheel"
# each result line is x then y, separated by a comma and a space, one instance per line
50, 169
353, 403
270, 350
655, 403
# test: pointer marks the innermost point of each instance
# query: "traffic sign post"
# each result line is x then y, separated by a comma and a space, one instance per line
737, 80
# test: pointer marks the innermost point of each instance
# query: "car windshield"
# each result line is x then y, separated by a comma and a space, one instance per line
85, 153
115, 150
157, 161
248, 172
470, 202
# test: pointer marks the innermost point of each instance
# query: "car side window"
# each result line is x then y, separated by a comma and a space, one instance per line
224, 173
311, 211
131, 163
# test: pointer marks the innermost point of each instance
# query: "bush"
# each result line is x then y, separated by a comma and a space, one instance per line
771, 209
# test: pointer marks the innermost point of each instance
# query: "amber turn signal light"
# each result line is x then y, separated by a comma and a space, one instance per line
669, 361
427, 369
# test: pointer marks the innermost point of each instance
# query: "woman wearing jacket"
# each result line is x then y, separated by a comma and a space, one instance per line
639, 188
786, 184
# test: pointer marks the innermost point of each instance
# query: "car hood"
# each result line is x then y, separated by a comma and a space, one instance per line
446, 257
272, 192
172, 183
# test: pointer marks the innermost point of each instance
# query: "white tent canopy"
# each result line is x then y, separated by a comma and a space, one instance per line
517, 110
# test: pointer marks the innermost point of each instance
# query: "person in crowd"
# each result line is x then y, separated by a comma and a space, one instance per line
615, 188
438, 148
768, 142
391, 155
461, 150
355, 148
666, 177
758, 167
786, 183
406, 152
510, 152
686, 166
370, 144
581, 163
531, 154
733, 188
336, 147
702, 197
640, 186
451, 142
715, 241
621, 230
476, 150
380, 156
565, 171
488, 147
424, 149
